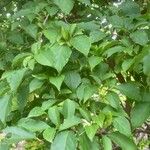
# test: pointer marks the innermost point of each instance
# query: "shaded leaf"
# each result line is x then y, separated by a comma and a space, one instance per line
139, 114
124, 142
66, 6
81, 43
65, 140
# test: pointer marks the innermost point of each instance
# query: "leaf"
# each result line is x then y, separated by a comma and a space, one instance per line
139, 114
54, 115
96, 36
18, 134
130, 8
107, 144
116, 21
85, 114
5, 105
49, 134
22, 96
65, 140
85, 91
69, 107
94, 61
56, 56
32, 125
16, 38
66, 6
52, 10
139, 37
35, 112
32, 30
35, 84
57, 81
69, 122
99, 119
72, 79
113, 99
122, 125
127, 64
146, 66
130, 90
86, 144
14, 78
87, 2
47, 104
52, 34
91, 130
124, 142
81, 43
19, 58
109, 52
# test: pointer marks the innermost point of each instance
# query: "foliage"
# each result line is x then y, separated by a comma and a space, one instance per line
74, 74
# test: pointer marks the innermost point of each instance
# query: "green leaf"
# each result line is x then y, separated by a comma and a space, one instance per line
107, 144
99, 119
66, 6
127, 64
87, 2
85, 114
57, 81
14, 78
114, 50
32, 30
122, 125
130, 90
69, 122
139, 37
19, 59
94, 61
86, 144
113, 99
35, 84
5, 105
56, 56
81, 43
32, 125
36, 111
47, 104
97, 35
65, 140
18, 134
116, 21
52, 34
22, 96
69, 107
91, 130
130, 8
54, 115
146, 66
52, 10
16, 38
124, 142
139, 114
49, 134
72, 79
85, 91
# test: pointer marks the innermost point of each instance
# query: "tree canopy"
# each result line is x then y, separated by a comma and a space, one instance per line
75, 74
